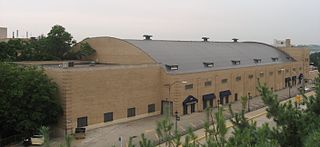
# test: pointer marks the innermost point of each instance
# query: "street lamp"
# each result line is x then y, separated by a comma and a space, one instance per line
170, 85
282, 70
249, 97
177, 119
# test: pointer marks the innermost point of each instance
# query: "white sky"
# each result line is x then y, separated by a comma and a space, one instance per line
221, 20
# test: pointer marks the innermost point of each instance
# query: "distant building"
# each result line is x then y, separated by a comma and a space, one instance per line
133, 79
3, 33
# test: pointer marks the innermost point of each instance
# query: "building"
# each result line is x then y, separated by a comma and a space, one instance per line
133, 79
3, 33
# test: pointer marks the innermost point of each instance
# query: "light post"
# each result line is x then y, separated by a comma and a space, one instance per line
170, 85
282, 70
249, 97
177, 119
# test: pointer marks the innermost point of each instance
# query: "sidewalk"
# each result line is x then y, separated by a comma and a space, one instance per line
109, 135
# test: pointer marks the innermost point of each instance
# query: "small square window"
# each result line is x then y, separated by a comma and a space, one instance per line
238, 78
270, 73
189, 86
250, 76
108, 116
131, 112
207, 83
151, 108
224, 80
261, 74
82, 121
294, 69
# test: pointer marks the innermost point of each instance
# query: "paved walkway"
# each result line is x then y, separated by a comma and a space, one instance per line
109, 135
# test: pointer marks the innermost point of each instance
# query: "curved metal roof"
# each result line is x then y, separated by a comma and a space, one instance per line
191, 55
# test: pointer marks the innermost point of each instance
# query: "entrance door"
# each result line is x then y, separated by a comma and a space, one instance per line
236, 97
193, 108
185, 109
221, 100
166, 105
227, 99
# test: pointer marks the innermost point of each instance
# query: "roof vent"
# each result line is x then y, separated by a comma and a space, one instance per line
205, 39
235, 62
257, 60
235, 40
208, 64
274, 59
172, 67
147, 37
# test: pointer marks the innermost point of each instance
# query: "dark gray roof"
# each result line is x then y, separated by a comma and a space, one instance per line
190, 55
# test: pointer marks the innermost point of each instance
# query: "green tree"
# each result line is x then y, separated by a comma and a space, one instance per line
8, 50
28, 100
315, 59
59, 41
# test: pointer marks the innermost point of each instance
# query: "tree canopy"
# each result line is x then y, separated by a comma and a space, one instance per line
57, 45
28, 99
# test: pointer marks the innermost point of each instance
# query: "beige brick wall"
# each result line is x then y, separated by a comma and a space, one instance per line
92, 91
112, 50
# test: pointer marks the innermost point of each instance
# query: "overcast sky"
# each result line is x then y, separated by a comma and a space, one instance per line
221, 20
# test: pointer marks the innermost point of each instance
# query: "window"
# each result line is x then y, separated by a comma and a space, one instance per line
235, 62
151, 108
261, 74
250, 76
287, 70
108, 116
238, 78
224, 80
274, 59
257, 60
270, 73
172, 67
294, 69
131, 112
208, 64
82, 121
189, 86
279, 72
207, 83
300, 68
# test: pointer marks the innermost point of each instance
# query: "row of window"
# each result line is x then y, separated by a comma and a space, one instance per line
108, 116
238, 78
211, 64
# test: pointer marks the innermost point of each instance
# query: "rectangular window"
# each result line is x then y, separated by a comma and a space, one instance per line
300, 68
274, 59
287, 70
131, 112
270, 73
82, 121
250, 76
224, 80
208, 64
172, 67
279, 72
238, 78
235, 62
261, 74
294, 69
207, 83
257, 60
189, 86
151, 108
108, 116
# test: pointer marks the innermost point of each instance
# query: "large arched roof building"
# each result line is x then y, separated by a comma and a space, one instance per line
133, 79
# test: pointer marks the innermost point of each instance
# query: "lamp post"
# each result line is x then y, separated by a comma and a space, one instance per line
249, 97
282, 70
170, 85
177, 119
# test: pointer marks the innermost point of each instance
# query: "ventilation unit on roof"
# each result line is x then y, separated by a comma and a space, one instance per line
274, 59
208, 64
257, 60
147, 37
205, 39
235, 62
172, 67
235, 40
